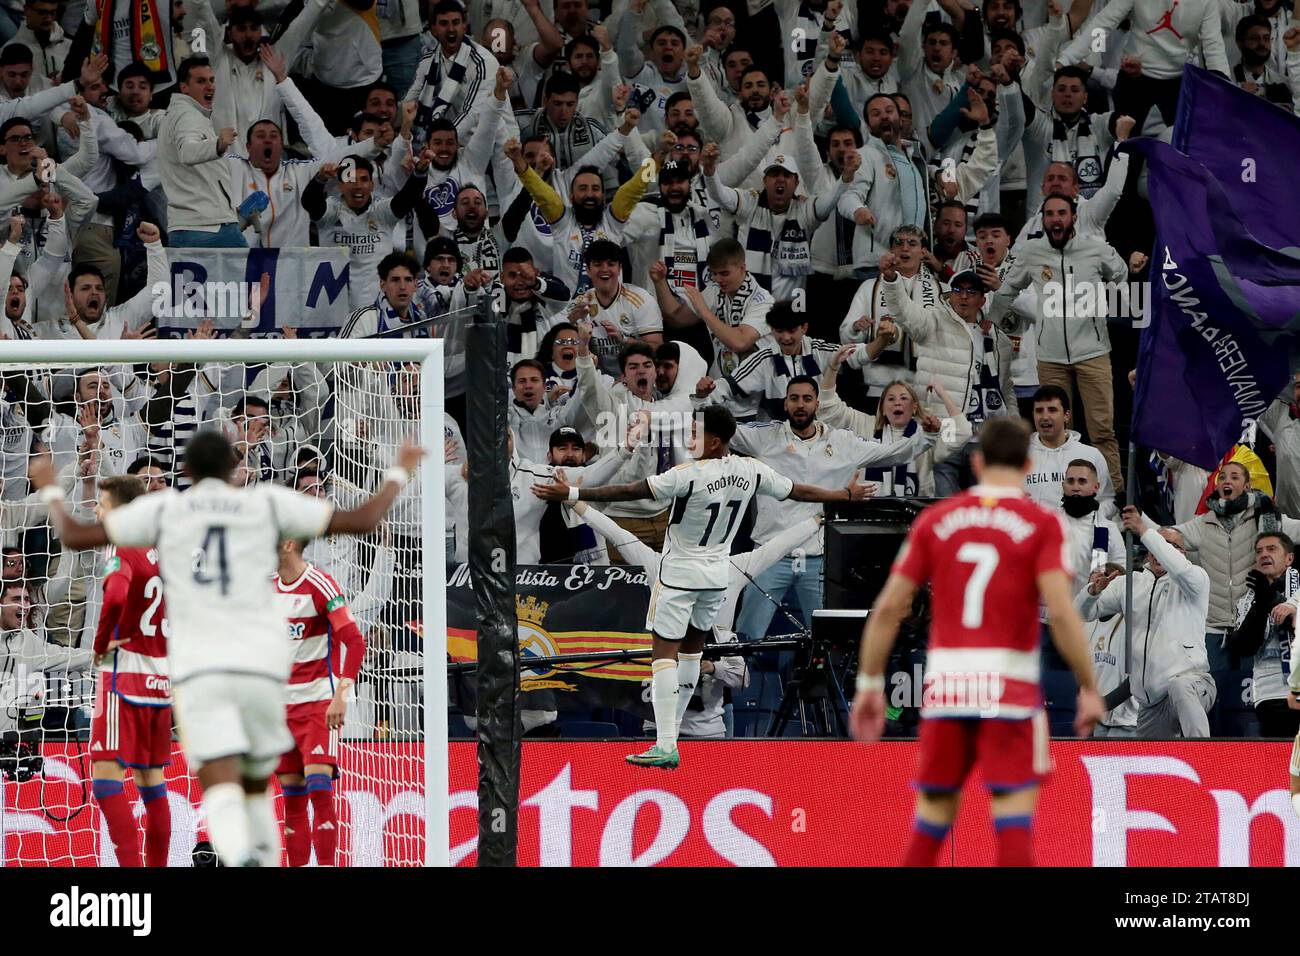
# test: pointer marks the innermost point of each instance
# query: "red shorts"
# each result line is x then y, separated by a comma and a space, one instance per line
313, 741
132, 734
1013, 754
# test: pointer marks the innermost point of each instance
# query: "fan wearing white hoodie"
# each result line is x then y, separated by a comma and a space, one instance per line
1170, 679
196, 179
1053, 446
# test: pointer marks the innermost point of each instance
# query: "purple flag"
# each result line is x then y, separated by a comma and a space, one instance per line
1223, 316
1249, 145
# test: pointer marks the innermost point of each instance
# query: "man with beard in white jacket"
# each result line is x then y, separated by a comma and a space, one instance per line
1075, 278
807, 451
1170, 679
1054, 447
1094, 212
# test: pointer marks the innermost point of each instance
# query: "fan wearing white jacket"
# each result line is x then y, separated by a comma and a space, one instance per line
1170, 677
1073, 277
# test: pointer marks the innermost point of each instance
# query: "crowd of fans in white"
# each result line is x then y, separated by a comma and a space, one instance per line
830, 217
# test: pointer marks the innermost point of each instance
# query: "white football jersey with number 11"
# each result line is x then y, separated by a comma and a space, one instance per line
712, 495
217, 552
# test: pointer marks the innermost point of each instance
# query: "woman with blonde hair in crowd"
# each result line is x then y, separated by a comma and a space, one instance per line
896, 419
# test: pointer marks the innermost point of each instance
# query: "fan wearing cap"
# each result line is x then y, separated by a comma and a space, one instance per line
659, 76
530, 510
560, 539
681, 228
775, 226
960, 348
618, 313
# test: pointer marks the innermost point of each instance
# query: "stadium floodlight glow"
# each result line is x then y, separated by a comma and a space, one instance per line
29, 356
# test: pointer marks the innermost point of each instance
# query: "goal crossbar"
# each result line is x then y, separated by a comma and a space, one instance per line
429, 354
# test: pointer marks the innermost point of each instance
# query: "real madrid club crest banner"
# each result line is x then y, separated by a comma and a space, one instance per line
566, 609
307, 291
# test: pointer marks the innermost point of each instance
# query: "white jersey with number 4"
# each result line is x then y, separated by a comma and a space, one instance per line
218, 552
712, 495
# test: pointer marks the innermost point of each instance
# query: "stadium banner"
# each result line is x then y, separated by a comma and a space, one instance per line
743, 802
1224, 311
308, 291
566, 609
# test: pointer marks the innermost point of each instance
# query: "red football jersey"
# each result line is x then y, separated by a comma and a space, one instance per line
326, 641
134, 611
982, 552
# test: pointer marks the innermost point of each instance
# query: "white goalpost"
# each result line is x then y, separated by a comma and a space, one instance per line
339, 406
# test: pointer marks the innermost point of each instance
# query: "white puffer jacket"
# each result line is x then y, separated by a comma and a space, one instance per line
945, 350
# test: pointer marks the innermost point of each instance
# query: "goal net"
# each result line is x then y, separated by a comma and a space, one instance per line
322, 416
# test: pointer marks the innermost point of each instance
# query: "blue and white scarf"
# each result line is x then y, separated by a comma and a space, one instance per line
900, 481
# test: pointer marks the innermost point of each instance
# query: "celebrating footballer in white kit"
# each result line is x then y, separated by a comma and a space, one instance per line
709, 496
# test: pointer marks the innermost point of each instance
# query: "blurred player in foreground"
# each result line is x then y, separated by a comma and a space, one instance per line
990, 554
711, 494
327, 651
228, 655
132, 725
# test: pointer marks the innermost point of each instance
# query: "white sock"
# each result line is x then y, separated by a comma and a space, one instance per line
262, 828
228, 823
663, 694
688, 675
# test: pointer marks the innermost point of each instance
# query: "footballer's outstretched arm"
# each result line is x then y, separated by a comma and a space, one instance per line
75, 535
1067, 635
365, 518
563, 491
854, 491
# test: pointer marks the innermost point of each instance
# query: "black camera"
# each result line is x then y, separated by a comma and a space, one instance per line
19, 760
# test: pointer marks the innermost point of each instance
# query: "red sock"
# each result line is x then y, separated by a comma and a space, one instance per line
924, 846
325, 822
297, 829
1015, 841
157, 824
116, 809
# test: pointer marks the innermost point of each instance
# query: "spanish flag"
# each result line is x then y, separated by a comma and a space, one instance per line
1242, 454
